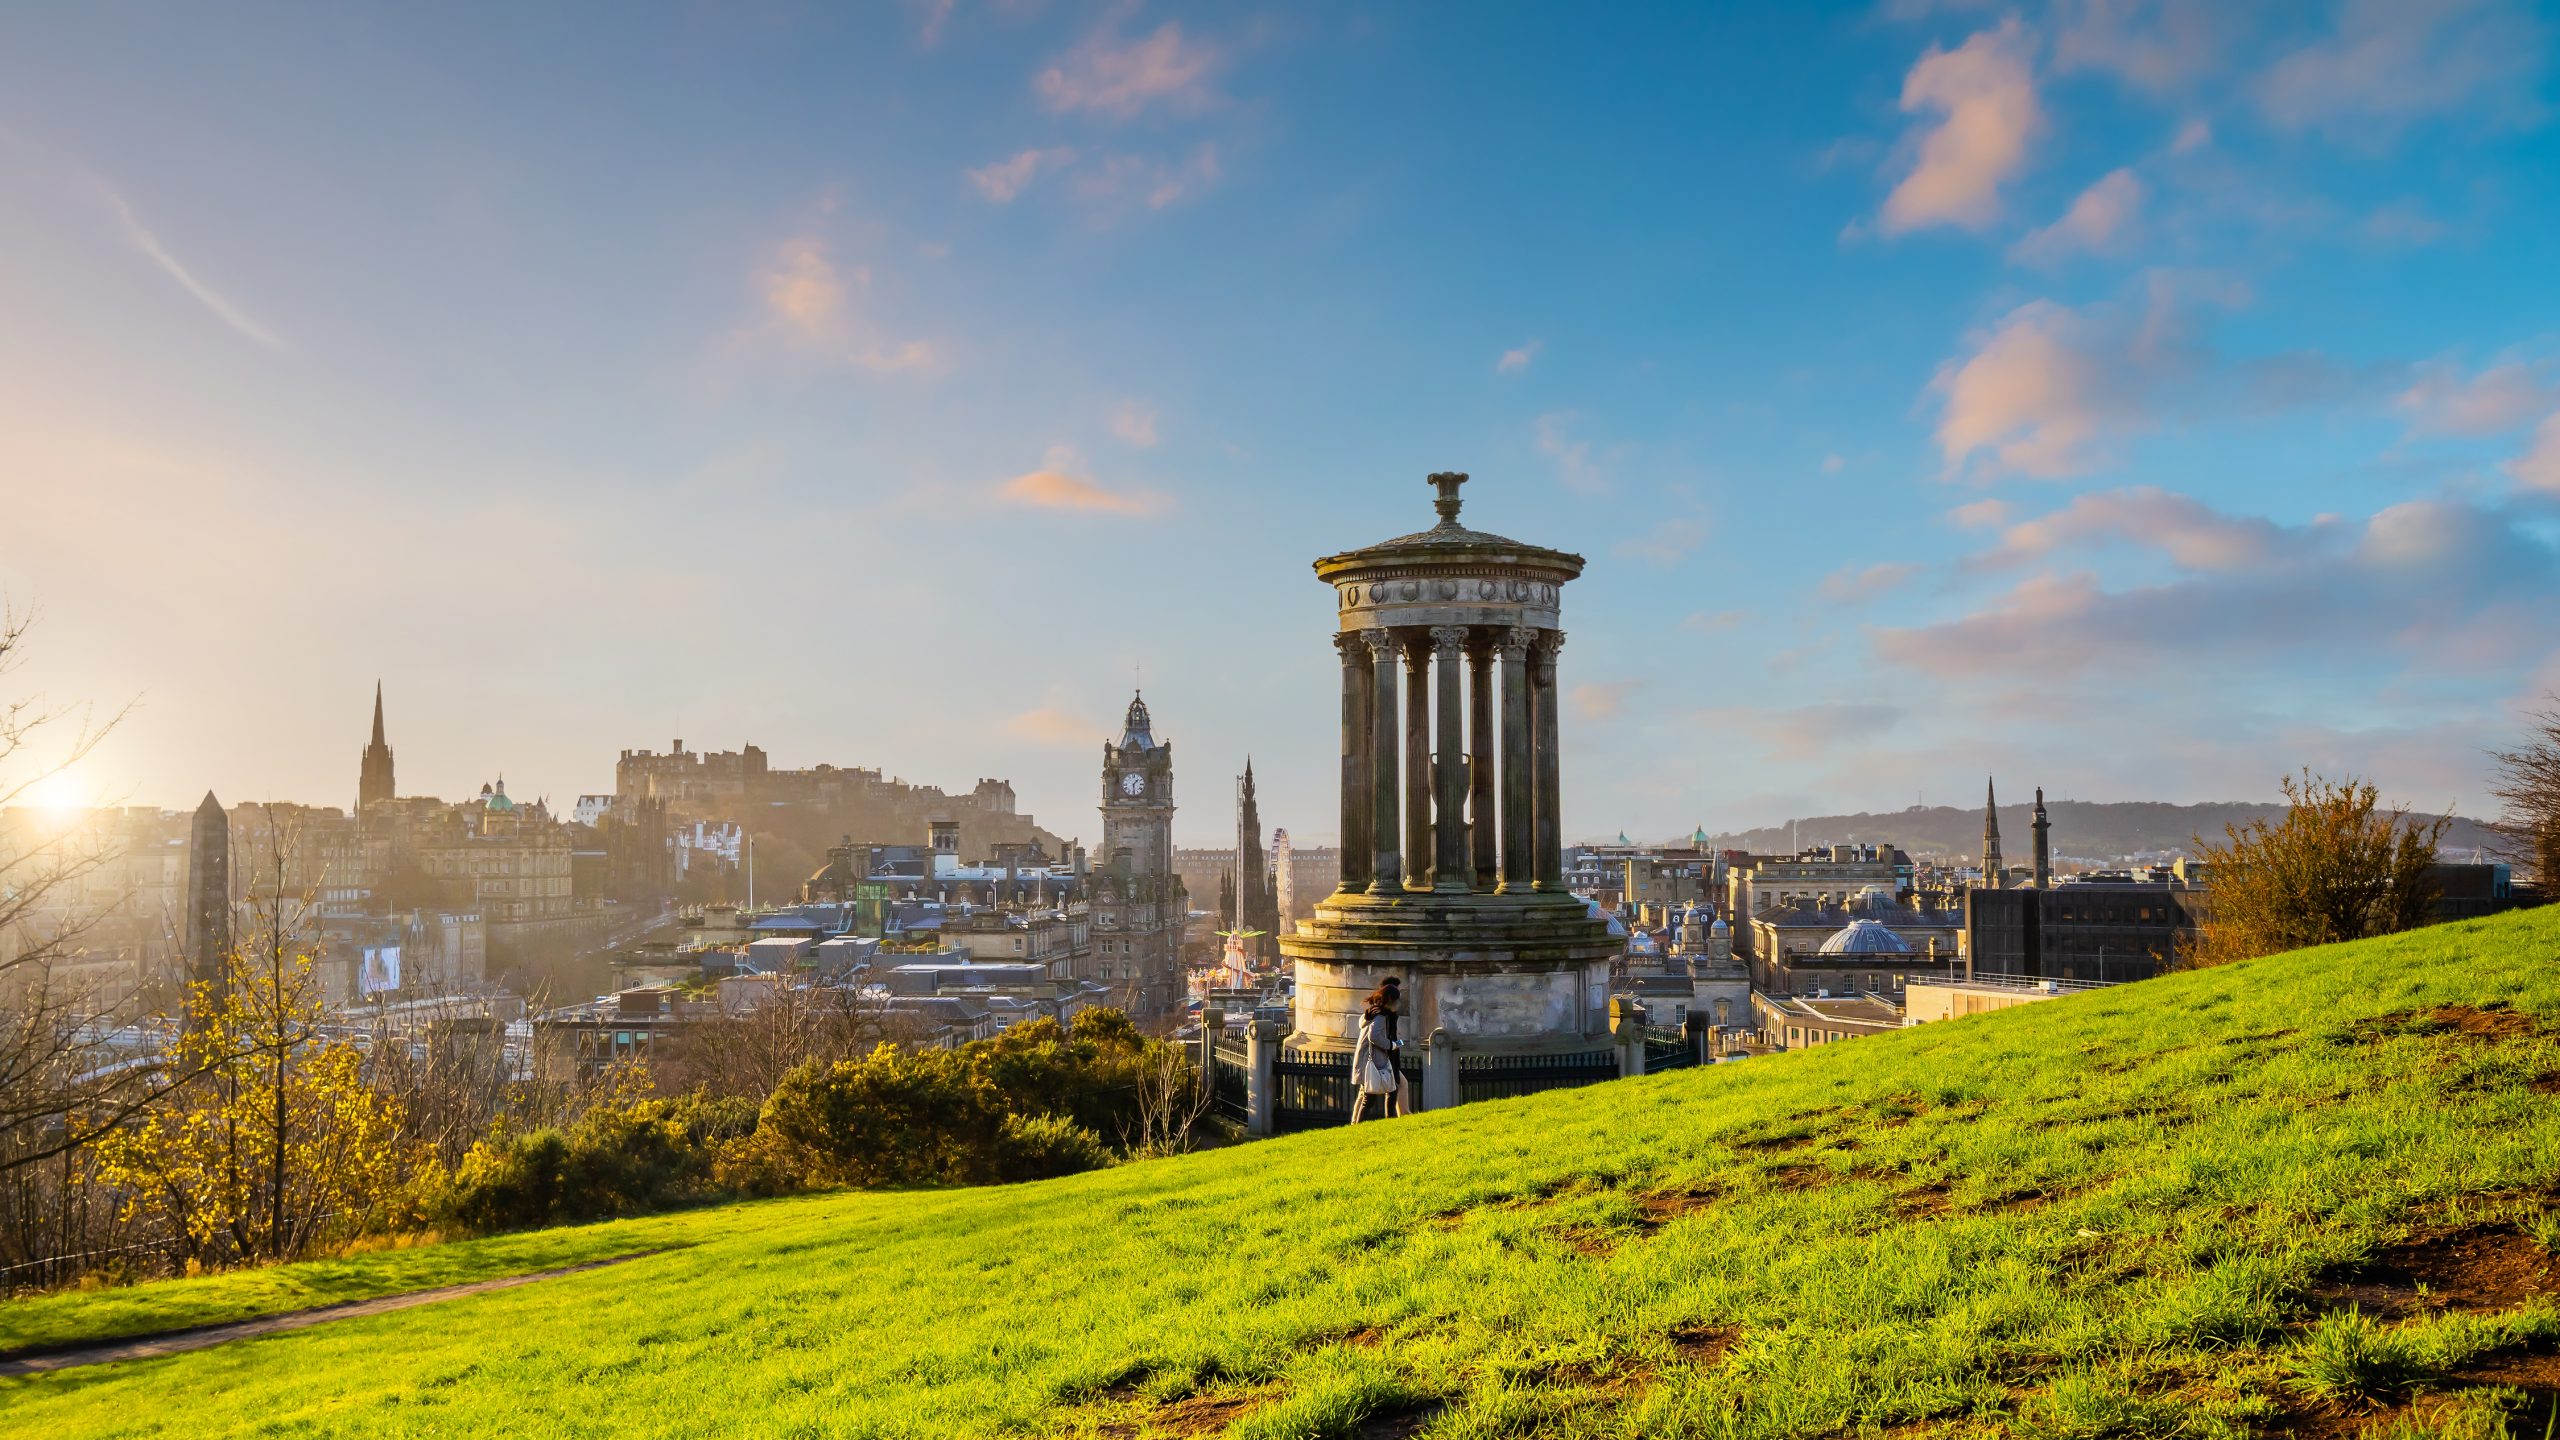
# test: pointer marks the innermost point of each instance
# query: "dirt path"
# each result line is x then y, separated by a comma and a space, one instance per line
173, 1342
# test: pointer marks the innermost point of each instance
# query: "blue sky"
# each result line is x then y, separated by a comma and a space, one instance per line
2137, 399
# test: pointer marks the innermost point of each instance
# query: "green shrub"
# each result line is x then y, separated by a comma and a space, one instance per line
1043, 1147
619, 1158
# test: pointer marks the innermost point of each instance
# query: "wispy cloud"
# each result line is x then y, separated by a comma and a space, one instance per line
1518, 359
1134, 424
1597, 701
1855, 585
1576, 465
1667, 542
1006, 178
1115, 183
818, 308
2391, 62
1053, 487
1120, 78
2100, 222
1713, 623
2493, 401
1984, 97
141, 238
1052, 725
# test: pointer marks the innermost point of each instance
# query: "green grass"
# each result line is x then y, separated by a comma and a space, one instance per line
2102, 1216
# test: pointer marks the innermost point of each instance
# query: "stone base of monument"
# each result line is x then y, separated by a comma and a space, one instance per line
1494, 974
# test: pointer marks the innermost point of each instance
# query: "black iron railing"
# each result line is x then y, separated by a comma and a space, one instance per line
1496, 1077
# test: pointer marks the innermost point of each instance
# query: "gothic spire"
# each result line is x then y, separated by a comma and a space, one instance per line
377, 712
1992, 874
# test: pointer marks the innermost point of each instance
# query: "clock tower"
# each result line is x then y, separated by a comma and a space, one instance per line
1139, 905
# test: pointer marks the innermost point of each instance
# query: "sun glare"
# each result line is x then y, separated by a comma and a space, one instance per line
60, 794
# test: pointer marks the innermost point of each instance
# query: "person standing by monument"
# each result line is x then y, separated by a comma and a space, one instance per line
1377, 1070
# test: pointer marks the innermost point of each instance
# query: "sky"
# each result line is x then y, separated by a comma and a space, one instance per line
2140, 400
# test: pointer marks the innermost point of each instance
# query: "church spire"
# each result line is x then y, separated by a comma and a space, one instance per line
2044, 846
373, 777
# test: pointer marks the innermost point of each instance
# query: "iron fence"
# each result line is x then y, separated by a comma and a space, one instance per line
1311, 1089
1496, 1077
1230, 1081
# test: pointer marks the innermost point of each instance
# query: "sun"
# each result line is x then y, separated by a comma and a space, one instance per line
59, 793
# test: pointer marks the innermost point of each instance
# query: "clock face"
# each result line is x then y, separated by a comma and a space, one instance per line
1133, 784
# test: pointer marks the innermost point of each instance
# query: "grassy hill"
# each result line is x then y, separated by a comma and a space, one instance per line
2312, 1193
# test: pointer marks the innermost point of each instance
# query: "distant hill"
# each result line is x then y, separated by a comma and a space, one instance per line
2111, 1214
2083, 830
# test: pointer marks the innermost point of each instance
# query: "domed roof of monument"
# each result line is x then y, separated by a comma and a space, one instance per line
1617, 927
1455, 541
1866, 937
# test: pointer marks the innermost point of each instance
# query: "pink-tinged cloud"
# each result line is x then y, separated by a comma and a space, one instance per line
1983, 93
2192, 534
1109, 76
2441, 584
2391, 62
1050, 725
2444, 401
2048, 387
1665, 542
1007, 178
1800, 732
2100, 222
1115, 184
1134, 424
1598, 701
1716, 623
2538, 468
1517, 360
814, 307
1057, 490
1855, 585
1980, 514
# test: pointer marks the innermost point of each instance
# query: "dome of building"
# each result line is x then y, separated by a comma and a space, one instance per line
1720, 927
1866, 937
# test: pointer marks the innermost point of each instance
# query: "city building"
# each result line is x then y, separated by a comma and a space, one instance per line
1797, 1022
1827, 877
1807, 946
1256, 903
1301, 875
1138, 904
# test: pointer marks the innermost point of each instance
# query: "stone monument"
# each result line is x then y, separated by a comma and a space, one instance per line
1452, 839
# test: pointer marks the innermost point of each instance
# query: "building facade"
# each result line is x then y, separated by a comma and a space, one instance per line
1139, 905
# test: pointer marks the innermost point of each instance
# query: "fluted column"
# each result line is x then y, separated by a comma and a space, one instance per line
1355, 761
1386, 873
1417, 763
1453, 869
1550, 771
1483, 829
1511, 647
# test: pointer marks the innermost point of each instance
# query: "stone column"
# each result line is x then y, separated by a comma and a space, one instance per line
1356, 808
1550, 772
1482, 826
1511, 646
1453, 868
1417, 764
1386, 871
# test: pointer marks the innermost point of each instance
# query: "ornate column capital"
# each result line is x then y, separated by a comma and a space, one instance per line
1352, 643
1543, 654
1514, 640
1382, 644
1448, 642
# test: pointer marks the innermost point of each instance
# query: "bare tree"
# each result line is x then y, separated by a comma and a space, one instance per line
1172, 1096
2529, 783
751, 1045
64, 1079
